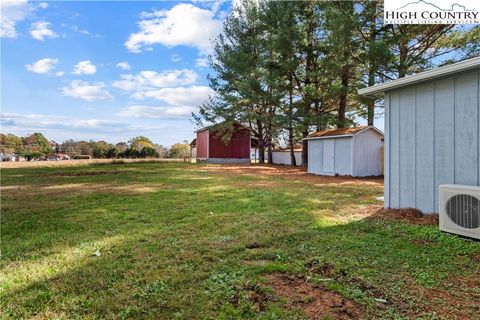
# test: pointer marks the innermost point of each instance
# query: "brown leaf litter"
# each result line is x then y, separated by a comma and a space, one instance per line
408, 215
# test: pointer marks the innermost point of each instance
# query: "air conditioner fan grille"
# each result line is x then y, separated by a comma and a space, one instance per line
463, 210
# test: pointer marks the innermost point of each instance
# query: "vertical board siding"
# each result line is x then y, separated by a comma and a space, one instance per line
343, 151
407, 147
424, 148
358, 156
432, 135
394, 150
238, 147
202, 144
315, 156
466, 130
366, 153
444, 135
328, 156
386, 160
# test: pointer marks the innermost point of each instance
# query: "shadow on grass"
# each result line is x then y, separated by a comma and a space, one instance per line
160, 250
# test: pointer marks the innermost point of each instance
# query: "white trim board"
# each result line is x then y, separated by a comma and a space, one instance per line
467, 65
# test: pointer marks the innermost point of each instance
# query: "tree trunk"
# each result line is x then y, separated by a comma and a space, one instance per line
342, 107
372, 64
304, 151
269, 144
261, 145
270, 151
371, 102
292, 147
290, 124
402, 65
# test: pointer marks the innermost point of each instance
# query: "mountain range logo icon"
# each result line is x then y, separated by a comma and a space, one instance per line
454, 7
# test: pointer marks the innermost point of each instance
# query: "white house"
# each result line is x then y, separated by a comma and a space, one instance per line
432, 133
350, 151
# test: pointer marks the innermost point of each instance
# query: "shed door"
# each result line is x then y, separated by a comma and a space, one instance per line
329, 156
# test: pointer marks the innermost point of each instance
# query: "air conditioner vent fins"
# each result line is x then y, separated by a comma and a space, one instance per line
462, 209
459, 210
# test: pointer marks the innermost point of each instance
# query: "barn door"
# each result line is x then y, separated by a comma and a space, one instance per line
329, 156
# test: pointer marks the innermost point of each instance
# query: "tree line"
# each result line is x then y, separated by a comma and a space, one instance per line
288, 68
37, 146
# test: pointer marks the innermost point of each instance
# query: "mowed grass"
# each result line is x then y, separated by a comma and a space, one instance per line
186, 241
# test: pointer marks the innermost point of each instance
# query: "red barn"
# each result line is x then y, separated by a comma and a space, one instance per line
222, 143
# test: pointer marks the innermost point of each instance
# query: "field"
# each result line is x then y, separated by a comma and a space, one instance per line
189, 241
71, 163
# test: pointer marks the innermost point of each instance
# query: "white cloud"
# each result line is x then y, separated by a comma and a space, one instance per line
60, 128
85, 67
12, 12
175, 58
181, 96
201, 62
59, 73
184, 24
150, 80
79, 30
43, 5
42, 66
140, 111
123, 65
41, 30
86, 91
35, 122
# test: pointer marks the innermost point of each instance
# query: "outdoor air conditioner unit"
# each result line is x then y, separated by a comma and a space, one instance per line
460, 210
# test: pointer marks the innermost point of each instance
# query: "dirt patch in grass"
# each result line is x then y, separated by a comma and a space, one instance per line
408, 215
288, 172
316, 301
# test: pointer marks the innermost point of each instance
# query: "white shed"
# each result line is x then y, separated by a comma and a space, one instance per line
346, 152
432, 133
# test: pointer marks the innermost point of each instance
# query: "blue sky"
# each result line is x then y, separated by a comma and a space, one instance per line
106, 70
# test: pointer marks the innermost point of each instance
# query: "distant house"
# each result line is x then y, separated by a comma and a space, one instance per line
350, 151
432, 133
222, 143
7, 157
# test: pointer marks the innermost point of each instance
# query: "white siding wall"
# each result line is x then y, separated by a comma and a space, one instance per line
342, 156
283, 157
432, 138
366, 154
358, 156
315, 156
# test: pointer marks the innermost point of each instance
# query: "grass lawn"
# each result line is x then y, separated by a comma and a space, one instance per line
186, 241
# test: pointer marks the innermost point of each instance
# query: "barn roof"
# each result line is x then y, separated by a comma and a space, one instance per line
342, 132
221, 126
466, 65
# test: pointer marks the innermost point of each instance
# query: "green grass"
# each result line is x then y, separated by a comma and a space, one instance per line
172, 242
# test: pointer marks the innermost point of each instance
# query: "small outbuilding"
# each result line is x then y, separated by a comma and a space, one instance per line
345, 152
432, 133
223, 143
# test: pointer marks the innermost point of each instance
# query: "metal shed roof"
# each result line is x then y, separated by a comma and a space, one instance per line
467, 65
342, 132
